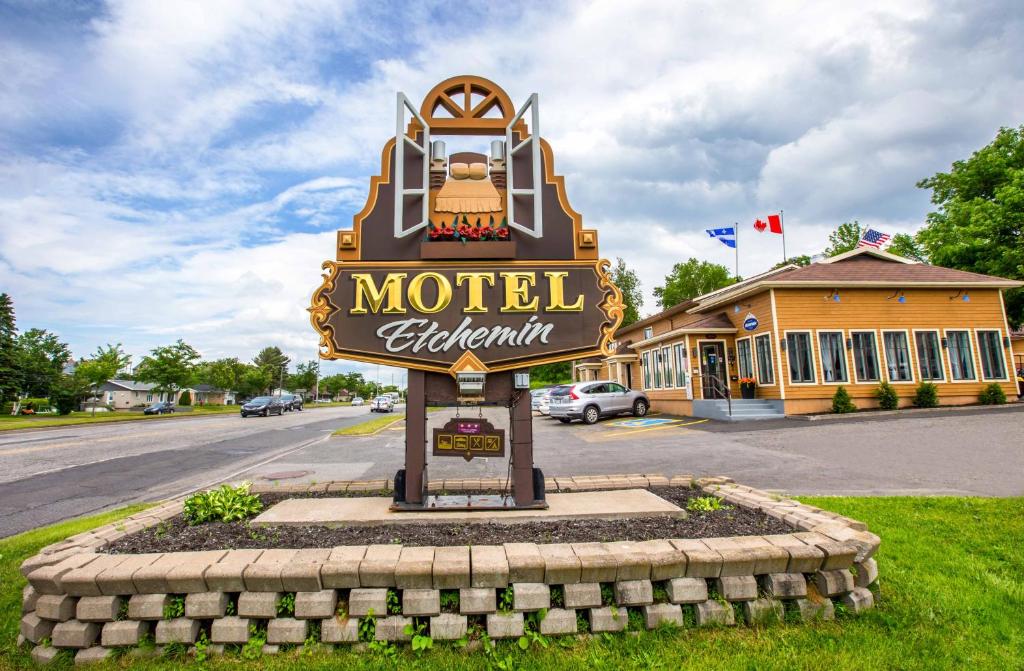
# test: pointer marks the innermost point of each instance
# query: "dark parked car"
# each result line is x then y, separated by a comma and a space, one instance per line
159, 408
291, 402
263, 405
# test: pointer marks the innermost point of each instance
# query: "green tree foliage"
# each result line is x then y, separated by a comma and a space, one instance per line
103, 366
979, 224
551, 373
67, 392
186, 398
254, 381
841, 401
170, 367
226, 374
273, 360
926, 395
908, 247
844, 238
802, 260
629, 284
10, 379
41, 357
993, 394
887, 397
305, 376
691, 279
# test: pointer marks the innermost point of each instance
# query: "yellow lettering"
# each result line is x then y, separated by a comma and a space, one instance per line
556, 293
415, 293
475, 286
366, 288
517, 291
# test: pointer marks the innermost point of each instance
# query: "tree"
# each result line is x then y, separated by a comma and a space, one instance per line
552, 373
103, 365
41, 357
802, 260
305, 376
979, 223
170, 367
691, 279
67, 392
629, 284
273, 360
908, 247
223, 374
254, 381
10, 379
844, 238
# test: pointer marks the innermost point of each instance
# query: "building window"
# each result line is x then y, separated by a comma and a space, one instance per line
929, 357
765, 370
743, 358
681, 364
666, 360
801, 358
656, 362
961, 363
832, 350
149, 398
991, 352
647, 370
865, 356
897, 356
648, 332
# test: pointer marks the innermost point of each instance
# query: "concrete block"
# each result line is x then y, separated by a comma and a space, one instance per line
504, 625
92, 655
123, 633
230, 629
361, 601
415, 568
784, 585
488, 566
712, 613
98, 608
687, 590
302, 573
701, 561
660, 613
227, 574
530, 596
56, 607
634, 593
815, 611
763, 611
558, 621
597, 564
858, 600
75, 634
525, 563
803, 557
736, 559
118, 580
178, 630
339, 630
341, 570
258, 604
561, 565
608, 618
665, 560
837, 555
448, 627
28, 599
283, 630
82, 580
737, 588
392, 628
867, 573
46, 579
316, 605
147, 606
477, 600
632, 560
421, 602
206, 605
833, 583
264, 575
377, 569
189, 575
34, 628
451, 567
44, 655
582, 595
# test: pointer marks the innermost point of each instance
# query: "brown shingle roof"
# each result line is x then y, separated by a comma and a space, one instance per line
870, 269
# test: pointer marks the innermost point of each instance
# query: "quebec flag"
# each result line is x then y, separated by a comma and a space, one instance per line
727, 236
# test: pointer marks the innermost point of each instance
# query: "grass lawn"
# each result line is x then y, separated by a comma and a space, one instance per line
371, 425
952, 572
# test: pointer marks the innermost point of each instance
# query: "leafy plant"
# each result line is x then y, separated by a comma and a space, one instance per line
226, 504
122, 610
660, 594
286, 605
450, 600
841, 401
607, 594
557, 596
706, 504
202, 646
367, 627
582, 623
926, 395
185, 399
420, 639
531, 630
887, 397
232, 607
385, 649
394, 605
506, 599
253, 648
312, 642
176, 607
993, 394
635, 621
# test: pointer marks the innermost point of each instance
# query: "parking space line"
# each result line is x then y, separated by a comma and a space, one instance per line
653, 428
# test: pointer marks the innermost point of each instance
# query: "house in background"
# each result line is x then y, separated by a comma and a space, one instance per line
124, 394
207, 394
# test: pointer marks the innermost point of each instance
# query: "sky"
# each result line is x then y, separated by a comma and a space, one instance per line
179, 169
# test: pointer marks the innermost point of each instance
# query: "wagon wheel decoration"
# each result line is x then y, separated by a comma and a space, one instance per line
471, 102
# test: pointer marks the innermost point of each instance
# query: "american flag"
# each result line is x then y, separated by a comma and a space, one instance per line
873, 238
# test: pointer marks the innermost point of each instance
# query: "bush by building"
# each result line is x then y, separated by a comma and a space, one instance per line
887, 397
841, 401
992, 395
926, 396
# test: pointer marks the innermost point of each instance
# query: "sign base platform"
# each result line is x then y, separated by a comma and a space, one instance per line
467, 502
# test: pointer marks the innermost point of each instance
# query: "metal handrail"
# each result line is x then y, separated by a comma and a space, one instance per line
721, 387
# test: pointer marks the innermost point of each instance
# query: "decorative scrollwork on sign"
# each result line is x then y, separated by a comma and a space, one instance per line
613, 306
320, 310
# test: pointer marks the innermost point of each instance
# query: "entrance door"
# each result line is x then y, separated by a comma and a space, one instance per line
712, 363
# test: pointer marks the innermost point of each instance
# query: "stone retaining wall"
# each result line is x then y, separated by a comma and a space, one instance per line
82, 599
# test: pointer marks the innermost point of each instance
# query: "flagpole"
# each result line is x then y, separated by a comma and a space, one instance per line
737, 225
782, 221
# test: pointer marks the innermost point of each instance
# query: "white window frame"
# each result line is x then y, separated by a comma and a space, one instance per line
971, 349
645, 369
771, 355
1002, 355
403, 103
911, 352
725, 357
648, 332
739, 359
656, 364
846, 356
667, 371
942, 362
789, 368
681, 362
879, 366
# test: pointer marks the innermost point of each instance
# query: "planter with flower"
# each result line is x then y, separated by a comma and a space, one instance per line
747, 387
462, 239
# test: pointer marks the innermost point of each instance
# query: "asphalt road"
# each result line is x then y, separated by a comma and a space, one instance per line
47, 475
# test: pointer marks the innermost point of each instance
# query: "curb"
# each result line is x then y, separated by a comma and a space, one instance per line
905, 412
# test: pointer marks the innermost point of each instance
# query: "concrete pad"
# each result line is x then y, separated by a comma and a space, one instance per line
374, 511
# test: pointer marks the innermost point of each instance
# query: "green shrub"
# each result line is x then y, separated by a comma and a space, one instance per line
993, 395
887, 397
36, 404
186, 398
841, 401
926, 396
226, 504
706, 504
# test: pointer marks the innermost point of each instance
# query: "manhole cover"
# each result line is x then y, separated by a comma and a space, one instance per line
284, 475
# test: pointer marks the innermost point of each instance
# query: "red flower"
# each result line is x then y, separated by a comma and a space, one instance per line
502, 233
448, 232
434, 233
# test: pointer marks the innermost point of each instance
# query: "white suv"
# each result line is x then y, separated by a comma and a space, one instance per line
382, 404
589, 401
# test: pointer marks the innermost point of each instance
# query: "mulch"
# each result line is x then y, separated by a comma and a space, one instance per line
177, 535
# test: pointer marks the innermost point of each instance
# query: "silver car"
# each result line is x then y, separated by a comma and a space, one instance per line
537, 396
590, 401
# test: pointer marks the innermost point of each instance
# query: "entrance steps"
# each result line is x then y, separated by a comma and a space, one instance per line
742, 409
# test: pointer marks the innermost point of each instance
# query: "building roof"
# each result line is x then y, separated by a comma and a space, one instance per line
129, 385
647, 321
695, 323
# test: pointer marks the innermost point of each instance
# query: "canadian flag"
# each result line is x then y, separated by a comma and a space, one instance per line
774, 224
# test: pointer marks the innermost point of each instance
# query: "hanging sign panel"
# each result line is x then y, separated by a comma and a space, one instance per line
469, 438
